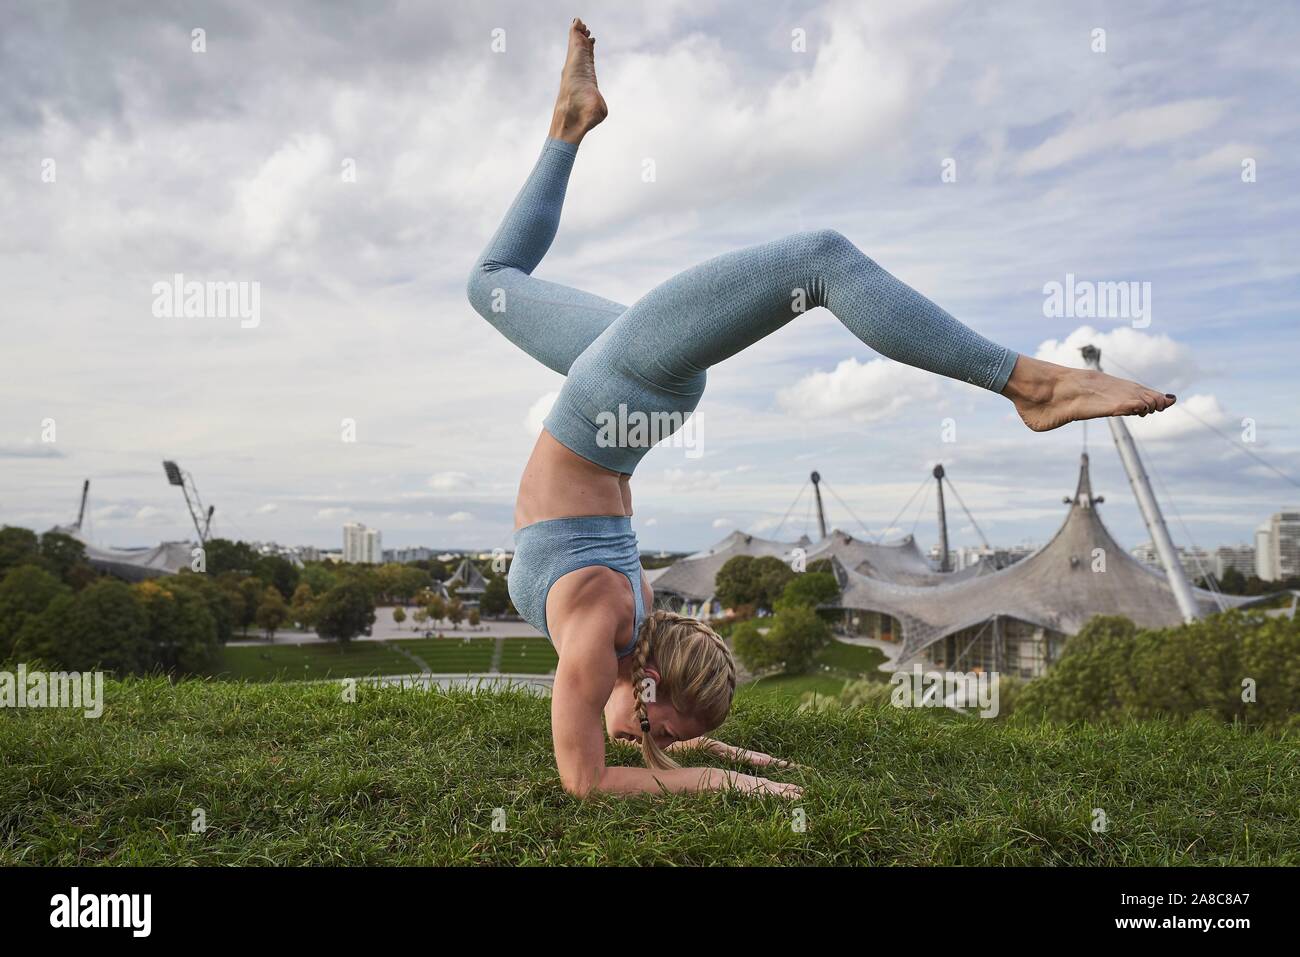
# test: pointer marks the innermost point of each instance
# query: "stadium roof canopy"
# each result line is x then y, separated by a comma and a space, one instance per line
1080, 573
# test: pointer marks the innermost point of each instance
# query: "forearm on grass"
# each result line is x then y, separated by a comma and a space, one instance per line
626, 781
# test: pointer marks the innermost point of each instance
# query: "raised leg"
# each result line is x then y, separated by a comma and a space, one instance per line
551, 322
651, 360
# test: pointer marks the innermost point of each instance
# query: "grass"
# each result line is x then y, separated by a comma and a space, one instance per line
528, 656
450, 655
357, 659
293, 774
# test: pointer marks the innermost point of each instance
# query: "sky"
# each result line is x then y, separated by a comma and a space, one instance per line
351, 160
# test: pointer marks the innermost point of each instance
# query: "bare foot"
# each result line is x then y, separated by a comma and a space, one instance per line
579, 105
1047, 396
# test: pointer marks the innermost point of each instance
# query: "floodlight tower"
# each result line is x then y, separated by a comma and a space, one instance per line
202, 521
1148, 506
821, 512
944, 564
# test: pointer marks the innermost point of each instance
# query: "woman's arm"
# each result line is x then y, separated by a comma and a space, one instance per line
584, 679
721, 749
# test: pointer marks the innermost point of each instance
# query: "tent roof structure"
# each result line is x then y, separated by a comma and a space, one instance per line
1080, 573
134, 564
469, 578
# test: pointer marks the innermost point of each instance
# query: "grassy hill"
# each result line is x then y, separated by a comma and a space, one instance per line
292, 774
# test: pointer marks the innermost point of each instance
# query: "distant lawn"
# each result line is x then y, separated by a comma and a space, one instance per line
451, 655
859, 661
307, 662
295, 774
792, 686
528, 656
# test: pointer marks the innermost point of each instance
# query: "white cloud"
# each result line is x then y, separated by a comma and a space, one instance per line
270, 508
864, 391
1183, 420
1154, 359
537, 413
681, 481
1131, 129
449, 481
332, 513
460, 517
722, 523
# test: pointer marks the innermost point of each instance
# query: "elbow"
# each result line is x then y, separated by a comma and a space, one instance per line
580, 785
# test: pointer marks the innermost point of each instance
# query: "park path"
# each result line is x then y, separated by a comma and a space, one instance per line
413, 658
497, 650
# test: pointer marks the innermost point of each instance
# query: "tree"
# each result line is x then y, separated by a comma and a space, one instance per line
65, 557
745, 580
320, 578
788, 641
180, 630
474, 618
252, 589
272, 612
496, 597
101, 626
455, 612
18, 546
221, 555
808, 591
437, 609
302, 607
25, 592
225, 606
399, 615
344, 612
279, 572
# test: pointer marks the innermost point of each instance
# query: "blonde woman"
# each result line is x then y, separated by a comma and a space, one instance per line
655, 678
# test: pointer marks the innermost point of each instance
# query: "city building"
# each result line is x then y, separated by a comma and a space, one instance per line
1283, 546
1239, 557
1264, 567
417, 553
362, 545
1196, 562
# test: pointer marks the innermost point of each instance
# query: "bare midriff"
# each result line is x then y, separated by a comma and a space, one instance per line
559, 483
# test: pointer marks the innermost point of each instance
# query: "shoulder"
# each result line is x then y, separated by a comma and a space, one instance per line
595, 601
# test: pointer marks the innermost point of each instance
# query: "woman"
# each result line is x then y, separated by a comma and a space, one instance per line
661, 679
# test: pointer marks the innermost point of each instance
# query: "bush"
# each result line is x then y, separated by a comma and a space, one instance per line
787, 641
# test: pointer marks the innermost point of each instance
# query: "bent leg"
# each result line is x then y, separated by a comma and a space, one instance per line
552, 323
651, 360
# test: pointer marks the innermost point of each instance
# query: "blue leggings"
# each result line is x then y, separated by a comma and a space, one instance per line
627, 367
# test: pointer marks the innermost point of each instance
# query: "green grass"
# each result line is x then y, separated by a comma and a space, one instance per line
528, 656
311, 661
293, 774
859, 661
451, 655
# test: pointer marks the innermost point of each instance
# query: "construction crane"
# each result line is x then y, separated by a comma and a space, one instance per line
202, 520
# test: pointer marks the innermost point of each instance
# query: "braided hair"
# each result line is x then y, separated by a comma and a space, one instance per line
696, 669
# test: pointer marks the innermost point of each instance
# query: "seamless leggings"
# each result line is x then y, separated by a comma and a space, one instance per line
627, 367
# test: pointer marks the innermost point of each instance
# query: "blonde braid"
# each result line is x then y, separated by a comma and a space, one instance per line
697, 671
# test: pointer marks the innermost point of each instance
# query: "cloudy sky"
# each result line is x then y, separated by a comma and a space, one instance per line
352, 160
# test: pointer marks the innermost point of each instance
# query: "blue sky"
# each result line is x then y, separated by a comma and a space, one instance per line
1115, 166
